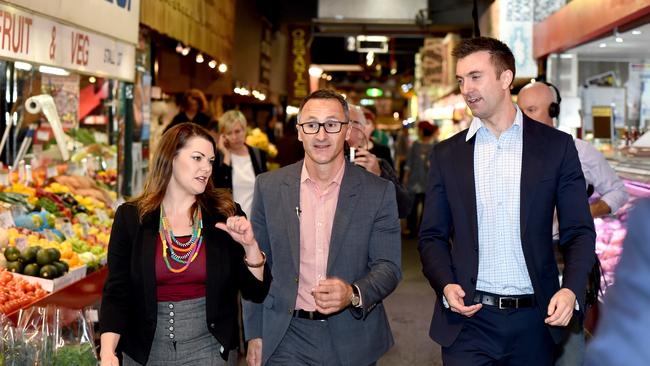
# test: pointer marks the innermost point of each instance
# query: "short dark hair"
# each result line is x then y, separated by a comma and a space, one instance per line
326, 94
500, 55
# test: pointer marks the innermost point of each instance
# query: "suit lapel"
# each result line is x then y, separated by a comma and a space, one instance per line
532, 168
466, 184
345, 208
290, 193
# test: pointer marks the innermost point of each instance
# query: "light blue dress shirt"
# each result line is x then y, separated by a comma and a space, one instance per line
497, 175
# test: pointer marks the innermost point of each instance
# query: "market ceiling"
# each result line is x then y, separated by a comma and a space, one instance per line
330, 37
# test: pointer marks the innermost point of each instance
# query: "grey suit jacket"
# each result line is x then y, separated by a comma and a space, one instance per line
365, 249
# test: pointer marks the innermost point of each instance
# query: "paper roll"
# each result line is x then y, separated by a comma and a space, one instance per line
45, 103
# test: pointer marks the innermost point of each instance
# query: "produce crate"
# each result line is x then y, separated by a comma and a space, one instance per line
72, 276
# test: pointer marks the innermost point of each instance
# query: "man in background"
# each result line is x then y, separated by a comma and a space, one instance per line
541, 102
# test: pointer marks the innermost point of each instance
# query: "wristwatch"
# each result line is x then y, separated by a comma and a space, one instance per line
355, 300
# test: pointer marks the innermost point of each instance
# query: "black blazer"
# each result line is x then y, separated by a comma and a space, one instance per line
129, 305
551, 177
222, 173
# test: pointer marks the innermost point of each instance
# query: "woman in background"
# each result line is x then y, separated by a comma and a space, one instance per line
237, 164
193, 109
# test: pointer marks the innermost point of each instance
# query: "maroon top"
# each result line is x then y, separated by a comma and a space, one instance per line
186, 285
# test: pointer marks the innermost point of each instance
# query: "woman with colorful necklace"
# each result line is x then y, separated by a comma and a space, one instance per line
177, 258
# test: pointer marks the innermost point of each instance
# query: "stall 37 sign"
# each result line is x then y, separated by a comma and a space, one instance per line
28, 37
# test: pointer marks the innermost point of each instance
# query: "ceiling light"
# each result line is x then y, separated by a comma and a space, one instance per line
22, 66
212, 64
350, 44
179, 47
393, 71
199, 58
396, 115
329, 77
262, 96
315, 71
92, 79
291, 110
223, 68
619, 39
370, 58
53, 70
185, 51
602, 45
323, 76
636, 32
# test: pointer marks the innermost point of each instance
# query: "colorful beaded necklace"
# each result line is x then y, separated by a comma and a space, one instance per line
181, 253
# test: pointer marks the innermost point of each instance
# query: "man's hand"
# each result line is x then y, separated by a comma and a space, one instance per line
367, 160
254, 354
332, 295
560, 309
454, 295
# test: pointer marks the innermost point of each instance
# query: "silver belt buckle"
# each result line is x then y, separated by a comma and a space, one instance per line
501, 307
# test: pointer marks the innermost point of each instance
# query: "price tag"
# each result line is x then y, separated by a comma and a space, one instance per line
6, 220
92, 315
101, 215
21, 243
66, 229
51, 171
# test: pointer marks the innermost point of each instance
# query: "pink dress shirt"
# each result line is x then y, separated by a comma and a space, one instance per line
316, 218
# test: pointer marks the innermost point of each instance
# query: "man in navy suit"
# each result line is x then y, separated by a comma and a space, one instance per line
485, 240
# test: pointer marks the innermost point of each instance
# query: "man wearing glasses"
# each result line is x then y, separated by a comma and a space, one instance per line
331, 234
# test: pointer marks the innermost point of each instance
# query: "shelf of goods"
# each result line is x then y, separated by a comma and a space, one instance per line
611, 230
53, 243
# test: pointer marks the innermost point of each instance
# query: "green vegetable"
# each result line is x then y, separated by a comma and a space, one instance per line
78, 355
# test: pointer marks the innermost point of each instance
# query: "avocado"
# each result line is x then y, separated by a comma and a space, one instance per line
55, 255
12, 254
49, 271
14, 266
32, 270
43, 257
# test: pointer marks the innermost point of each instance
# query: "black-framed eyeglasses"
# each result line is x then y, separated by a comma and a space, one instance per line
312, 128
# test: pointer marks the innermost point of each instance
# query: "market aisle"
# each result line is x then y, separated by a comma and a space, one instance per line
409, 309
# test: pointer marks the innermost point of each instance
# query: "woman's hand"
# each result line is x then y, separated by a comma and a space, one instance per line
109, 359
222, 146
240, 229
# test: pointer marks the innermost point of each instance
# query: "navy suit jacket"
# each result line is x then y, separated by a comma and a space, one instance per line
621, 335
551, 177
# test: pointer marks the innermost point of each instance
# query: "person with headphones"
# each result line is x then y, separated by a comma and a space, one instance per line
541, 102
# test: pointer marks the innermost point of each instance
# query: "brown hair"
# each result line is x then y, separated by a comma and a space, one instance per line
326, 94
160, 173
500, 55
197, 95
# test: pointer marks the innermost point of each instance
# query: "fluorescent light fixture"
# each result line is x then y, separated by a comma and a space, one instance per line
378, 44
223, 68
619, 39
199, 58
602, 45
23, 66
92, 79
315, 71
566, 55
53, 70
636, 32
212, 64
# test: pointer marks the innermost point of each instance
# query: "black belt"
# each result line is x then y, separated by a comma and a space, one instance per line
504, 302
311, 315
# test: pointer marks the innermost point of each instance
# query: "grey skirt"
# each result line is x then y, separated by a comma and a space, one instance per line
182, 338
